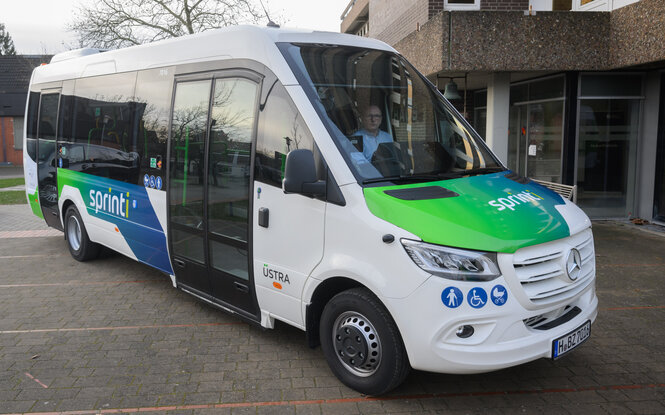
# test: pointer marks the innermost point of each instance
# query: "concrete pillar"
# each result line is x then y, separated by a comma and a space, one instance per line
498, 107
646, 148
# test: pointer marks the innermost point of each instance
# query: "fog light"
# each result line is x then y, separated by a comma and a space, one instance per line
464, 332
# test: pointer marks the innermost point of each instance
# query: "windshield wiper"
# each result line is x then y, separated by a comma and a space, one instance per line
471, 172
404, 178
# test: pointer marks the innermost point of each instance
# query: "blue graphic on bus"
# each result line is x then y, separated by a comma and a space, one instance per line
152, 182
452, 297
477, 297
146, 180
499, 295
128, 207
158, 182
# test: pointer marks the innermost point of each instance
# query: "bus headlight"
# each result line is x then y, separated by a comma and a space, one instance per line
453, 263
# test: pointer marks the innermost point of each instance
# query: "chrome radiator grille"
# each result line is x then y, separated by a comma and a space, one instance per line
541, 269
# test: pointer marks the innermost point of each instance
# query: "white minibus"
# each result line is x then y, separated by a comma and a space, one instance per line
317, 179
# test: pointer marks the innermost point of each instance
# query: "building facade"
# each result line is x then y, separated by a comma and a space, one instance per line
570, 91
15, 72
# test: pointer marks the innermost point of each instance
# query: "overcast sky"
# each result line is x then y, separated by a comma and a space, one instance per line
38, 26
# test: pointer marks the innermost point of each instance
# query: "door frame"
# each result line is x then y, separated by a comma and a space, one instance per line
53, 219
212, 72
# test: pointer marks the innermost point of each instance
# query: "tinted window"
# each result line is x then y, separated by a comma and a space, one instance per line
607, 85
231, 133
31, 131
33, 109
99, 128
281, 129
48, 116
153, 101
190, 117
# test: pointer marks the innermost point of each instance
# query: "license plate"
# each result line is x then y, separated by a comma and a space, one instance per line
566, 343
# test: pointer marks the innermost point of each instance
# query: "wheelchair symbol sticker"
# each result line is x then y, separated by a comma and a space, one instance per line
452, 297
477, 297
499, 295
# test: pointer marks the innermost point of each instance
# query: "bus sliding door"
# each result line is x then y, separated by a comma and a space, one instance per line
212, 129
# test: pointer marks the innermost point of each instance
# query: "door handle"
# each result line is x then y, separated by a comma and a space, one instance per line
264, 217
179, 262
241, 287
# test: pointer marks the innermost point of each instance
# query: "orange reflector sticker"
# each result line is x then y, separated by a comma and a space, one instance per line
116, 229
277, 285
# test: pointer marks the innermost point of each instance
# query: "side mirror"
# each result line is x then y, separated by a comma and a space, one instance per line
300, 174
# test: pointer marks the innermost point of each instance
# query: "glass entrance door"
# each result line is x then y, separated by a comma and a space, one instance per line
659, 194
535, 141
606, 156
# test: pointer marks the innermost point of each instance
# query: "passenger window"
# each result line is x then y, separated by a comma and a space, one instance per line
281, 129
99, 126
154, 89
31, 131
48, 116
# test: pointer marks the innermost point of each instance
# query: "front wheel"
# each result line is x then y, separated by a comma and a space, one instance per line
361, 343
80, 245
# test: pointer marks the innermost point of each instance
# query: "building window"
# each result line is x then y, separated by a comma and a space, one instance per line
18, 133
462, 4
480, 112
364, 30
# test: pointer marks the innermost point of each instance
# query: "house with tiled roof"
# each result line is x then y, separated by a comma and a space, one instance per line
15, 72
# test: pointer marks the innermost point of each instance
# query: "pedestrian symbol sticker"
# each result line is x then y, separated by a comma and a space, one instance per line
158, 183
499, 295
452, 297
477, 297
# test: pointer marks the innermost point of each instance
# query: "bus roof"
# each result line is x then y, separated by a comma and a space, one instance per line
235, 42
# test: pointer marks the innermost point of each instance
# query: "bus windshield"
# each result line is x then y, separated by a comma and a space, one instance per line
388, 122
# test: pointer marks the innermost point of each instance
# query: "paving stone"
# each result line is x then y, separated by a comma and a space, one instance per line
101, 365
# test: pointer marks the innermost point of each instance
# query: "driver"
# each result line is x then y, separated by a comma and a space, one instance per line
372, 136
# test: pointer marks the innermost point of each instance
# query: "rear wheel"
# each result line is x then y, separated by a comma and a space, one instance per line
362, 343
80, 245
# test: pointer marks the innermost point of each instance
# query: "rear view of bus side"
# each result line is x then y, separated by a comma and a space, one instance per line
242, 164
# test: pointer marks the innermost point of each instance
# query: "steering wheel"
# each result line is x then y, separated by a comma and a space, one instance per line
386, 159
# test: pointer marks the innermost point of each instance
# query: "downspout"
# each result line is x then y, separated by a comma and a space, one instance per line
2, 139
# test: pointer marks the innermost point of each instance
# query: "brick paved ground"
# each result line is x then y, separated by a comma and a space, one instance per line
113, 336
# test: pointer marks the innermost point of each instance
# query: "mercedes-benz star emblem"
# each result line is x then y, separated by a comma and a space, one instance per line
574, 264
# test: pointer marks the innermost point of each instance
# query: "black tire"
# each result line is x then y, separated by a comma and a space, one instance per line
362, 344
80, 245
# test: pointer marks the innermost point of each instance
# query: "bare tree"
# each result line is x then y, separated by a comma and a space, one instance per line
110, 24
